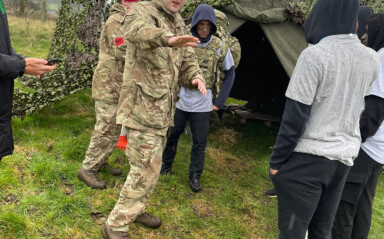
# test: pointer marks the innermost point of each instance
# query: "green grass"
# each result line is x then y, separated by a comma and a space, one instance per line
41, 197
31, 37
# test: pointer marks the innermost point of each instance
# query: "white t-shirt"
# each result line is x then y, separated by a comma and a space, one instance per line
374, 146
333, 77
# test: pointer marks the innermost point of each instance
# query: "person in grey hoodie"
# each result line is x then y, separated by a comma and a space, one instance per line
319, 136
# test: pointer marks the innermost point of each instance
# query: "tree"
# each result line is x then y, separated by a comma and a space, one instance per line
43, 10
22, 7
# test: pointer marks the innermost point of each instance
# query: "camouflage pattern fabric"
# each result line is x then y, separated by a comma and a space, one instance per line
152, 69
108, 75
210, 59
104, 138
233, 42
145, 158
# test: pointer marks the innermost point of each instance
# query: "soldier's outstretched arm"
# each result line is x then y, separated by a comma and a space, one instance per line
183, 41
139, 28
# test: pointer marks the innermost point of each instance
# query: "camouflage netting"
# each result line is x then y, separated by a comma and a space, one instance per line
298, 10
75, 42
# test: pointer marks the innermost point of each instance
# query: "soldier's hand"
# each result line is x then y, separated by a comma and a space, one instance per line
183, 41
200, 85
214, 108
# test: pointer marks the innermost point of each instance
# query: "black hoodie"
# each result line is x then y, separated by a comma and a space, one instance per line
364, 13
373, 114
331, 17
11, 66
204, 12
328, 17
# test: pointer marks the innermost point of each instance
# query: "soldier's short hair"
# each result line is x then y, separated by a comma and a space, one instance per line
118, 1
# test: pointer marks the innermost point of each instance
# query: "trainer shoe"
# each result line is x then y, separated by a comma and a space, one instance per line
271, 193
91, 178
194, 183
166, 170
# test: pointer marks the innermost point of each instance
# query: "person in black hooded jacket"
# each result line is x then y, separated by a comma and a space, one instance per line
12, 65
354, 214
319, 134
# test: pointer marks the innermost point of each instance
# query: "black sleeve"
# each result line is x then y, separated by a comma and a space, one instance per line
11, 66
293, 125
226, 89
372, 116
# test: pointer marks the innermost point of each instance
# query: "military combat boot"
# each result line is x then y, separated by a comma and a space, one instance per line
114, 171
109, 234
148, 220
91, 178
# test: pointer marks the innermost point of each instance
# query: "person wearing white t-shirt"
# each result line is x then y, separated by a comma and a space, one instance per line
319, 136
353, 217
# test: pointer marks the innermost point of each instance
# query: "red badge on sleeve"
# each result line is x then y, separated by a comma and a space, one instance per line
119, 41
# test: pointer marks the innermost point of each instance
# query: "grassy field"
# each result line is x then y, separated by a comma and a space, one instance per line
41, 197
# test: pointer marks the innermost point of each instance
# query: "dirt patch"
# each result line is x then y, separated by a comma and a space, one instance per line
226, 161
226, 136
203, 209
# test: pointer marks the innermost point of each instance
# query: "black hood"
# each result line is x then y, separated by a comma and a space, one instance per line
331, 17
376, 31
204, 12
364, 13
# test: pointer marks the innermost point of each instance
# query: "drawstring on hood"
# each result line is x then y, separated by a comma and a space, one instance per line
376, 31
331, 17
204, 12
364, 13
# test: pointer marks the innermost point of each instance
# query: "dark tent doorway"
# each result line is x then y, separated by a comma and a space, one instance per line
260, 78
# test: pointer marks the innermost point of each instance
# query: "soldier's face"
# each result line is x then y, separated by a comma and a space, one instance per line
174, 6
203, 28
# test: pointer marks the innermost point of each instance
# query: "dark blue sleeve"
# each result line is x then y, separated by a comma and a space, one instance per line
372, 116
226, 89
292, 127
11, 66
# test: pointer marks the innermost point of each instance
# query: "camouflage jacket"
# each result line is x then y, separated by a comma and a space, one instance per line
108, 75
233, 42
153, 69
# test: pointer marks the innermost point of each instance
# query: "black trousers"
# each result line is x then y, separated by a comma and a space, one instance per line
199, 123
353, 217
308, 192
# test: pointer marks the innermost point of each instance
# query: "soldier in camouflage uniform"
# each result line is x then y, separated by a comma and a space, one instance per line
157, 59
213, 54
222, 33
106, 85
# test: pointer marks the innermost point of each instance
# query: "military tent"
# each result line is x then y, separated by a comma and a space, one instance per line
270, 48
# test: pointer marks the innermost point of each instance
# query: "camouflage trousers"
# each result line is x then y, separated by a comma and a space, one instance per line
104, 137
144, 152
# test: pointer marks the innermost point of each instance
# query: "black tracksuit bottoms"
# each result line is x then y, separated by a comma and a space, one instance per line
308, 193
353, 217
199, 123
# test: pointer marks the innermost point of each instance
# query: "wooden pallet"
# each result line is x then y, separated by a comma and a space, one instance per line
267, 119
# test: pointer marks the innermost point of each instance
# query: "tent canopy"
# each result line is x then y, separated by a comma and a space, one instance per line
287, 39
